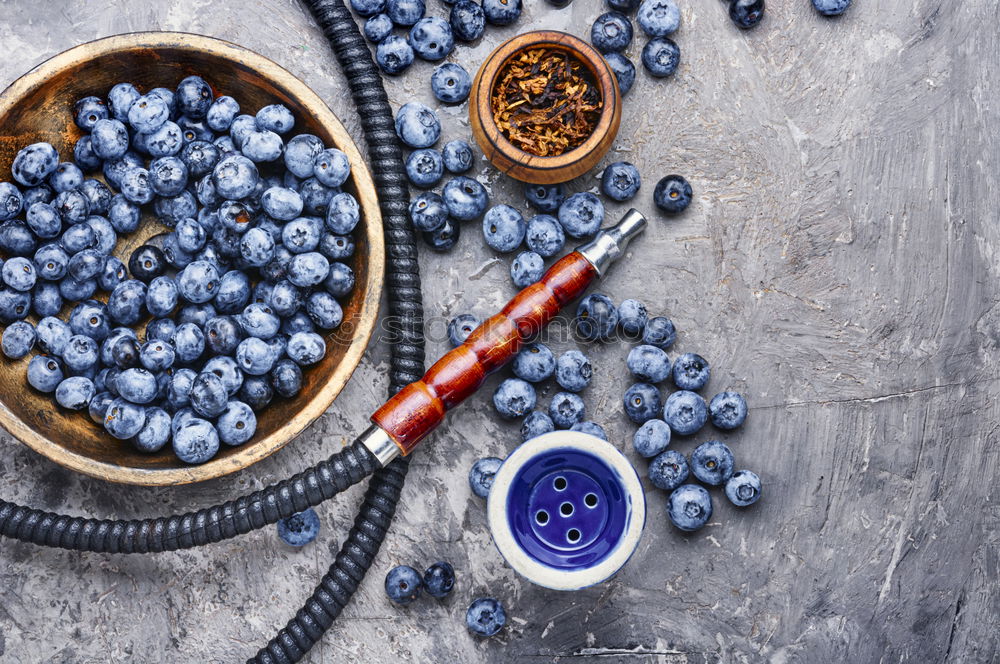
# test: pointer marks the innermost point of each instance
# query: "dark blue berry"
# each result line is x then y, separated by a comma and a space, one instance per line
534, 363
668, 470
648, 363
109, 139
591, 429
728, 410
405, 12
237, 423
623, 69
620, 181
155, 432
403, 583
286, 377
146, 263
44, 373
501, 12
87, 111
467, 20
632, 317
611, 32
256, 392
194, 97
689, 507
306, 348
712, 462
545, 197
431, 38
642, 402
581, 215
451, 83
300, 528
443, 238
743, 488
34, 163
566, 409
18, 339
439, 579
746, 13
672, 194
44, 221
544, 235
503, 228
536, 424
691, 372
148, 113
573, 371
276, 118
485, 616
660, 56
196, 441
393, 54
331, 167
417, 125
378, 27
66, 176
465, 198
659, 18
457, 156
685, 412
652, 438
343, 213
460, 327
659, 332
596, 317
428, 211
526, 269
514, 398
424, 168
481, 475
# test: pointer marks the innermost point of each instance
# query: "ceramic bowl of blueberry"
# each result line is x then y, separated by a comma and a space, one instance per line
191, 258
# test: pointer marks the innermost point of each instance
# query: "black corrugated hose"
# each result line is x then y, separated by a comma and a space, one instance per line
343, 469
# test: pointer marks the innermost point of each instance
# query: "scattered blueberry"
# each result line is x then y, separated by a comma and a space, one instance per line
545, 198
439, 579
591, 429
536, 424
486, 616
728, 410
743, 488
659, 18
611, 32
623, 69
300, 528
450, 82
403, 584
746, 13
672, 194
581, 215
405, 12
648, 363
457, 156
481, 475
652, 438
444, 238
503, 228
685, 412
378, 27
514, 398
659, 332
526, 269
424, 168
566, 409
501, 12
620, 181
393, 54
460, 327
596, 317
465, 198
573, 371
712, 462
467, 19
431, 39
689, 507
660, 56
642, 402
830, 8
417, 125
534, 363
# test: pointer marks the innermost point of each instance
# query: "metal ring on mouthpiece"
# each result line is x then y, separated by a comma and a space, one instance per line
566, 510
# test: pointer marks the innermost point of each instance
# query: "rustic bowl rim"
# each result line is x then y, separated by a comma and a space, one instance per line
310, 103
586, 53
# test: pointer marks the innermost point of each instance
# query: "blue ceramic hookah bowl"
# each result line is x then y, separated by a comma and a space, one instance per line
566, 510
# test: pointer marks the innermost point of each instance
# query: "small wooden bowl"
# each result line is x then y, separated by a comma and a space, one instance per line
525, 166
38, 107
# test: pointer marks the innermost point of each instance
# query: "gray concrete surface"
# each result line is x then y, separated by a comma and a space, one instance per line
839, 266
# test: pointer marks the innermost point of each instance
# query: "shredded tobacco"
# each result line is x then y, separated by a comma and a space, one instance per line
545, 102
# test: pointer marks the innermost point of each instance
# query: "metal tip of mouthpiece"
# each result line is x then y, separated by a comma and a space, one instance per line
610, 243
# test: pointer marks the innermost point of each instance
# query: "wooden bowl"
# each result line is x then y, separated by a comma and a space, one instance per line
525, 166
38, 107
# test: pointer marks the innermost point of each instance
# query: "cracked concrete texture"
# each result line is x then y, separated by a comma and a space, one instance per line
839, 266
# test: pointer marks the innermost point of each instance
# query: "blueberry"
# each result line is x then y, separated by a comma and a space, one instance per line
424, 168
14, 305
624, 6
198, 282
299, 236
685, 412
18, 339
87, 111
123, 214
403, 583
527, 269
620, 181
668, 470
450, 82
712, 462
256, 392
623, 69
123, 352
417, 125
611, 32
84, 155
51, 262
44, 373
431, 39
98, 406
659, 332
535, 425
648, 363
168, 176
343, 213
137, 385
120, 99
443, 238
457, 156
689, 507
72, 206
545, 198
691, 372
378, 27
368, 7
467, 19
90, 319
126, 302
502, 12
16, 238
161, 328
300, 154
235, 177
405, 12
306, 348
460, 327
155, 431
591, 429
331, 167
123, 420
196, 441
258, 320
642, 402
237, 423
157, 355
43, 220
221, 113
34, 163
829, 8
308, 269
275, 117
439, 579
115, 168
534, 363
514, 398
486, 616
393, 55
222, 335
189, 342
19, 273
659, 18
166, 141
673, 194
262, 146
660, 56
52, 334
285, 299
544, 235
481, 475
503, 228
297, 322
428, 211
596, 317
80, 353
728, 410
652, 438
109, 140
241, 127
148, 113
324, 310
66, 176
194, 97
746, 13
146, 263
236, 216
46, 299
632, 317
286, 377
573, 371
200, 157
465, 198
566, 409
97, 194
581, 215
281, 203
191, 236
300, 528
743, 488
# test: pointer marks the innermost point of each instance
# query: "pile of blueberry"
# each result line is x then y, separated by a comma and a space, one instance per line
612, 33
430, 38
237, 291
404, 584
683, 413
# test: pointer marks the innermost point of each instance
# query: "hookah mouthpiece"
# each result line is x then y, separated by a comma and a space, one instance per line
566, 510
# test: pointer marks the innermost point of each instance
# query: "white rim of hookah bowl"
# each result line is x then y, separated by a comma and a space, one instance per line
535, 571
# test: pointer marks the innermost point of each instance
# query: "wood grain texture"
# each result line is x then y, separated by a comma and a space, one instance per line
420, 407
524, 166
840, 265
38, 107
